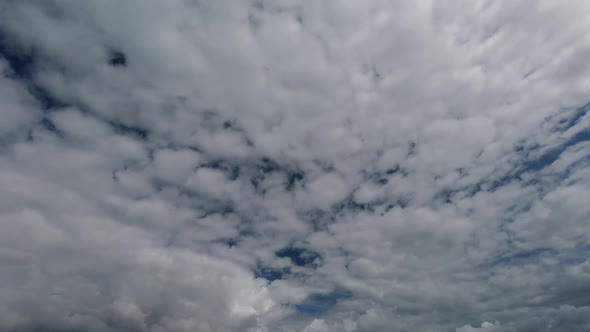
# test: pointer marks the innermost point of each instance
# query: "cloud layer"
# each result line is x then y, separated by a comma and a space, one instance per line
355, 166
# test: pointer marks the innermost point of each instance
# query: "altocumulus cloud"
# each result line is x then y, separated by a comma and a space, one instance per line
356, 166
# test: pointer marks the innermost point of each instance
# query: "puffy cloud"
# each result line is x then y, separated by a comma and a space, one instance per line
289, 166
485, 326
318, 325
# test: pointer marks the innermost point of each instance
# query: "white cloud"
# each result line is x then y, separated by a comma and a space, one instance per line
419, 167
485, 326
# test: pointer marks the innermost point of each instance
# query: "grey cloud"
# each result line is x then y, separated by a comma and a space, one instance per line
292, 166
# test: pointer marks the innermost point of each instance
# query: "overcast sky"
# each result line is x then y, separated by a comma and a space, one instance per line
294, 166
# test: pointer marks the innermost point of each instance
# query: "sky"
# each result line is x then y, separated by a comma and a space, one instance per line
294, 166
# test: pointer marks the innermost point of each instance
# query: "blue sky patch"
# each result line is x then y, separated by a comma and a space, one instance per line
321, 303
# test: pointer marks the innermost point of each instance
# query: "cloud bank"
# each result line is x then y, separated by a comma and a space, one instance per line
355, 166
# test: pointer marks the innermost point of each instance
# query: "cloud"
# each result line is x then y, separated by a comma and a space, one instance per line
291, 166
485, 326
